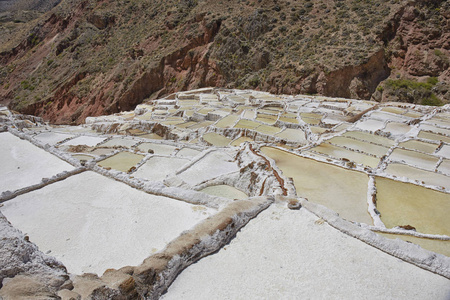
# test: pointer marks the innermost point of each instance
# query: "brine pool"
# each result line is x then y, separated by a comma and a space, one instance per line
341, 190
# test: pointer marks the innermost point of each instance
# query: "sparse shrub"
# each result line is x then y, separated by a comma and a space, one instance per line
414, 92
26, 85
432, 80
254, 81
431, 100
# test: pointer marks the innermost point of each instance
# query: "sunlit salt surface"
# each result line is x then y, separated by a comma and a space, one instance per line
84, 140
370, 125
100, 223
369, 137
52, 138
212, 165
388, 117
269, 130
419, 145
444, 151
433, 136
158, 167
286, 254
359, 145
440, 120
294, 135
435, 129
403, 204
267, 119
187, 152
227, 121
345, 192
395, 128
444, 167
394, 110
225, 191
237, 142
201, 125
247, 124
122, 161
428, 177
186, 125
118, 142
23, 164
155, 148
414, 158
311, 121
438, 246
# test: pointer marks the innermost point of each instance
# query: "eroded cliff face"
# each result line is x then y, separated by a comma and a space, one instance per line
88, 58
418, 48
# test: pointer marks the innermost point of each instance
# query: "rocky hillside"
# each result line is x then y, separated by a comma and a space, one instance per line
18, 5
87, 58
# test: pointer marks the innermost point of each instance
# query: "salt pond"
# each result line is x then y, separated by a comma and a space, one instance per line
403, 204
155, 148
212, 165
122, 161
428, 177
225, 191
100, 223
158, 167
23, 164
216, 139
421, 160
84, 140
345, 192
342, 153
52, 138
285, 254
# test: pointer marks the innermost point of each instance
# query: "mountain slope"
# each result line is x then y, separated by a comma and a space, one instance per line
99, 57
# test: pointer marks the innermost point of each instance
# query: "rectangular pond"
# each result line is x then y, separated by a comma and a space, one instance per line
292, 135
369, 137
154, 148
341, 190
227, 122
428, 177
359, 145
92, 223
408, 204
122, 161
421, 160
419, 145
216, 139
157, 167
341, 153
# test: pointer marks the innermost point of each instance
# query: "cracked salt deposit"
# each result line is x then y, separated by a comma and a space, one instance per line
139, 196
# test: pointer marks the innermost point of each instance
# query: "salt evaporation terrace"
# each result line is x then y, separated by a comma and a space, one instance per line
228, 194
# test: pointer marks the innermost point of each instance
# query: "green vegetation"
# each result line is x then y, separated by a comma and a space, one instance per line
432, 100
412, 91
26, 85
410, 84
